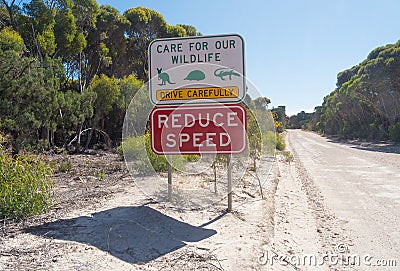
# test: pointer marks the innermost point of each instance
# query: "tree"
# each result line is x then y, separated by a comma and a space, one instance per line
68, 66
11, 10
37, 29
145, 26
190, 30
28, 100
107, 44
69, 40
261, 103
301, 120
138, 112
85, 13
366, 102
280, 117
175, 31
74, 109
129, 86
107, 94
10, 40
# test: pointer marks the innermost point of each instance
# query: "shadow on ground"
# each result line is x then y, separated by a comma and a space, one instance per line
379, 146
133, 234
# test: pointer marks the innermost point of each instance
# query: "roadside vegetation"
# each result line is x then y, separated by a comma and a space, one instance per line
365, 103
137, 150
69, 69
25, 186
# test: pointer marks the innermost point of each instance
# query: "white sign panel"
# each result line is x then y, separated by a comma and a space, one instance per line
204, 69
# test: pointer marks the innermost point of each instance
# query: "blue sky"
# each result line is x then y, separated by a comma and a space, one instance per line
294, 49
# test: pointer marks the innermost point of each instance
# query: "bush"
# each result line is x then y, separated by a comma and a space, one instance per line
394, 132
65, 166
269, 142
280, 142
132, 148
191, 157
138, 151
158, 162
289, 157
25, 188
273, 141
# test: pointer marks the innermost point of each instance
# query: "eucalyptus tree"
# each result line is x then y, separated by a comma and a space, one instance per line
366, 102
145, 26
107, 44
29, 93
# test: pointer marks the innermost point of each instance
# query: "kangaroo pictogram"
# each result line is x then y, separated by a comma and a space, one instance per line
164, 77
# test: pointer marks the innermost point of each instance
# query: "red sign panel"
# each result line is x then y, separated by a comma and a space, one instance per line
198, 129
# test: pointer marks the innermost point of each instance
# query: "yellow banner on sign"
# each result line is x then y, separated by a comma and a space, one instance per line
197, 93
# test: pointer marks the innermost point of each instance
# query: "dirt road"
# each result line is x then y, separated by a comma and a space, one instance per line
352, 192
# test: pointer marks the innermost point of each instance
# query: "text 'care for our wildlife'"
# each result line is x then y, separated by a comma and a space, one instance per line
200, 51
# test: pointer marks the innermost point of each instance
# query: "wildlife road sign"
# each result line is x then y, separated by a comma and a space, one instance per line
200, 70
198, 129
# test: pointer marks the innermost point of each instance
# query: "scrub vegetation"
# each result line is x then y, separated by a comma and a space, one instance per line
69, 69
365, 103
25, 186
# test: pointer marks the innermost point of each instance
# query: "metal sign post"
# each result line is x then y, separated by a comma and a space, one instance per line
229, 158
169, 160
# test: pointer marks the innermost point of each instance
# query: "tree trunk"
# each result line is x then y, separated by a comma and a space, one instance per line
45, 136
10, 10
52, 143
78, 138
88, 139
63, 130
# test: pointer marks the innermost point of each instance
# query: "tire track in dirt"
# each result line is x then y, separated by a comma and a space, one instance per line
303, 224
332, 232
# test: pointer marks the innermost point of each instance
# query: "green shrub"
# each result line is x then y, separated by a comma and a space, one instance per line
137, 150
191, 157
269, 142
288, 156
158, 162
25, 188
272, 141
394, 132
100, 175
65, 166
132, 148
280, 142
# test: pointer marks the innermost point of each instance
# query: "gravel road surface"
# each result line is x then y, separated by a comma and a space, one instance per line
352, 190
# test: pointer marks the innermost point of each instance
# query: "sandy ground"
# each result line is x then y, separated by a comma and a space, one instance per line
335, 199
104, 223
